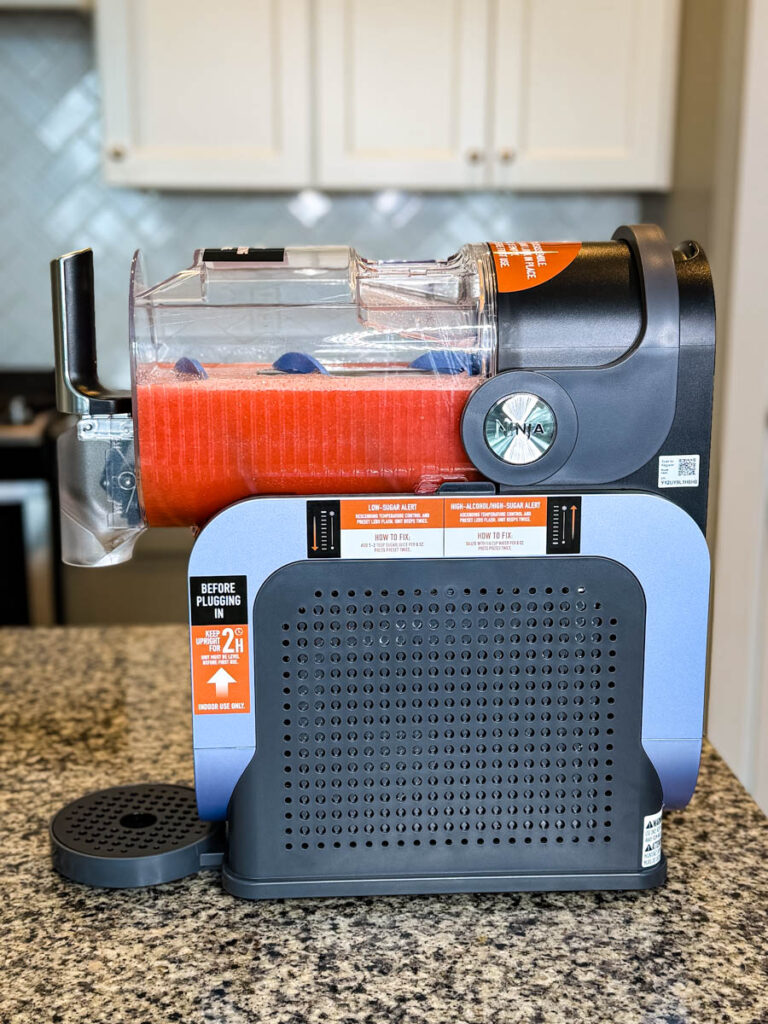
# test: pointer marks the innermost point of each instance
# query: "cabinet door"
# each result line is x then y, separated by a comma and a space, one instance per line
201, 95
584, 93
402, 93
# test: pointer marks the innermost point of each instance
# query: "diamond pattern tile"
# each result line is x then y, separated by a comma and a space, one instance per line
53, 200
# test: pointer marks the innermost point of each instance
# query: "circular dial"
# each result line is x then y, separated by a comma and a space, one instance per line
520, 428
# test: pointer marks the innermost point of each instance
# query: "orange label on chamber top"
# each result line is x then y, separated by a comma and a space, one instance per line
495, 512
410, 513
220, 673
521, 265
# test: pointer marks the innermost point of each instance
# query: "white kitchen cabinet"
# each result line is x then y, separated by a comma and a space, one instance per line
401, 93
583, 93
201, 95
355, 94
525, 94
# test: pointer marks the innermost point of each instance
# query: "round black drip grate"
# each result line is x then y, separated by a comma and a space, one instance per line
133, 835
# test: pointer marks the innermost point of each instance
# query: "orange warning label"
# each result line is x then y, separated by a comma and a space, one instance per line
521, 265
412, 514
392, 528
495, 526
220, 670
496, 512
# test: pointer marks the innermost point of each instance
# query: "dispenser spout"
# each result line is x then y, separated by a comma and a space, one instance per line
101, 516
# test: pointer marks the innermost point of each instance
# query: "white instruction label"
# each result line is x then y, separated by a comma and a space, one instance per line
651, 839
679, 470
392, 528
496, 526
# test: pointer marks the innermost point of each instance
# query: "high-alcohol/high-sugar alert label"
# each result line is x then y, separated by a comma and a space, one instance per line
495, 526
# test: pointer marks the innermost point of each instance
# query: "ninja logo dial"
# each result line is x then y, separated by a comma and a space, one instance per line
520, 428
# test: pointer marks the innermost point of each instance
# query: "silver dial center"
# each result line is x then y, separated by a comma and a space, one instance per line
520, 428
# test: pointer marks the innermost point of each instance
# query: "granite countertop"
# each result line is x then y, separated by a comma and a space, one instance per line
88, 708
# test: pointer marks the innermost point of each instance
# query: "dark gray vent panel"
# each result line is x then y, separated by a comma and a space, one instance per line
448, 717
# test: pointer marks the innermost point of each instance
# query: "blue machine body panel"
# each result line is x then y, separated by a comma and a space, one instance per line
655, 539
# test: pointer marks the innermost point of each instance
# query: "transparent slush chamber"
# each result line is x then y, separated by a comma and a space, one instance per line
304, 370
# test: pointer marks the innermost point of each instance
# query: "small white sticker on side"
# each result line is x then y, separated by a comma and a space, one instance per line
651, 839
679, 470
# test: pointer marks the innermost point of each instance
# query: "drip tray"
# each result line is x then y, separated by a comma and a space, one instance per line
130, 836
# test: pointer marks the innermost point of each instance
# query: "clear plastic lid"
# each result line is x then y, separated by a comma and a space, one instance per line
250, 307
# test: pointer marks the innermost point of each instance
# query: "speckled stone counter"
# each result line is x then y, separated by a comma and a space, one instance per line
88, 708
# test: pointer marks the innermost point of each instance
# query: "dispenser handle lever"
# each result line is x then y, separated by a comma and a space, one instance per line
78, 388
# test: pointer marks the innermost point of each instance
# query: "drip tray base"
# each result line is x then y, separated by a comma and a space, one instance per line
131, 836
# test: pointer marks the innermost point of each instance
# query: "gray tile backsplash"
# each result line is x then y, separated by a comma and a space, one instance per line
53, 200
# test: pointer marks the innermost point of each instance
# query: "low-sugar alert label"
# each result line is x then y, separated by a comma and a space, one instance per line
392, 528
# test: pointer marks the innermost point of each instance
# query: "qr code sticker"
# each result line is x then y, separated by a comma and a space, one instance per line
679, 470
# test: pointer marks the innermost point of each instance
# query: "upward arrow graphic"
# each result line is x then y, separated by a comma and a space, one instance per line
221, 680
